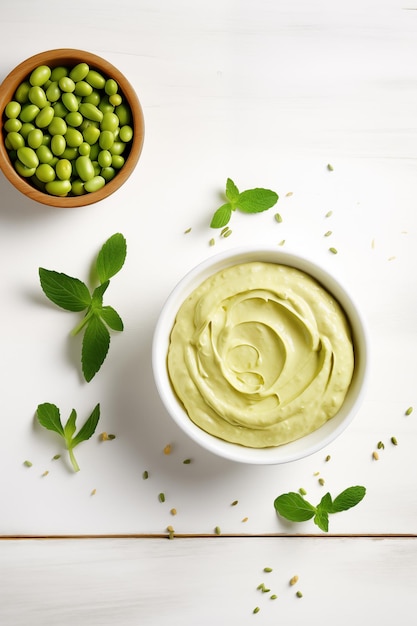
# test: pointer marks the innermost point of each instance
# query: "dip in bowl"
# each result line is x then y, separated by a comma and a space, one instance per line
260, 356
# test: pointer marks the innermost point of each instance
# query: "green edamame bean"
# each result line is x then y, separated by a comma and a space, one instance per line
90, 111
105, 106
29, 112
28, 157
79, 72
22, 91
58, 72
58, 187
106, 139
66, 84
115, 100
59, 109
108, 173
26, 128
69, 153
85, 168
95, 79
84, 149
12, 109
35, 138
37, 96
12, 125
111, 87
44, 154
73, 137
124, 114
44, 117
94, 150
104, 158
40, 75
63, 169
126, 133
77, 187
45, 173
22, 170
53, 92
91, 134
70, 101
15, 140
58, 145
93, 98
110, 121
94, 184
83, 89
118, 147
58, 126
74, 119
117, 161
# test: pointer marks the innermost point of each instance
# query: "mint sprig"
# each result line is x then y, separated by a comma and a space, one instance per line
49, 417
73, 294
249, 201
293, 507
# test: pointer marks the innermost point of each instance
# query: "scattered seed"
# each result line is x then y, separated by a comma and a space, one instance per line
167, 449
373, 244
333, 250
261, 586
282, 242
409, 410
330, 167
328, 457
212, 241
93, 493
173, 511
274, 596
293, 580
299, 594
103, 437
375, 455
227, 233
321, 481
56, 457
302, 491
161, 497
268, 569
235, 502
278, 218
329, 214
145, 475
381, 445
392, 258
256, 609
394, 441
171, 536
224, 230
111, 437
171, 532
217, 530
46, 472
316, 473
328, 233
265, 590
288, 194
28, 463
186, 461
187, 231
245, 519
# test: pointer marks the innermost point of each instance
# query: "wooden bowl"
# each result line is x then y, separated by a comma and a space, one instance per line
71, 57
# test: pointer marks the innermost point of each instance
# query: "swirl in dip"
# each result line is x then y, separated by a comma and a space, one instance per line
260, 354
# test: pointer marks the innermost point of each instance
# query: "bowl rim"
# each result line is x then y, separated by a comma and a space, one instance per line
292, 451
53, 58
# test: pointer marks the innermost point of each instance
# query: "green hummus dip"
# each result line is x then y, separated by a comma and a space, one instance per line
260, 354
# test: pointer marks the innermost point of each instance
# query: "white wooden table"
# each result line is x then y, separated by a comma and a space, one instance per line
267, 92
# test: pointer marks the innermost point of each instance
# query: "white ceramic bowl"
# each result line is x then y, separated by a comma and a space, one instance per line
304, 446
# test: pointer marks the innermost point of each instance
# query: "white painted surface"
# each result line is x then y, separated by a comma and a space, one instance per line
268, 93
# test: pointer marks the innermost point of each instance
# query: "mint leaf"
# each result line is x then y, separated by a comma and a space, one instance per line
222, 216
293, 507
66, 292
321, 519
348, 498
49, 417
256, 200
232, 192
111, 257
111, 318
96, 342
98, 293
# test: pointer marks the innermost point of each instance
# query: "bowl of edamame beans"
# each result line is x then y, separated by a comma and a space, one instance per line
72, 128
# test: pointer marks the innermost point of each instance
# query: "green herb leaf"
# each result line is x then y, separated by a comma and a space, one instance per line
96, 342
294, 507
111, 257
49, 417
66, 292
112, 318
98, 293
348, 498
321, 519
232, 192
222, 216
326, 503
256, 200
